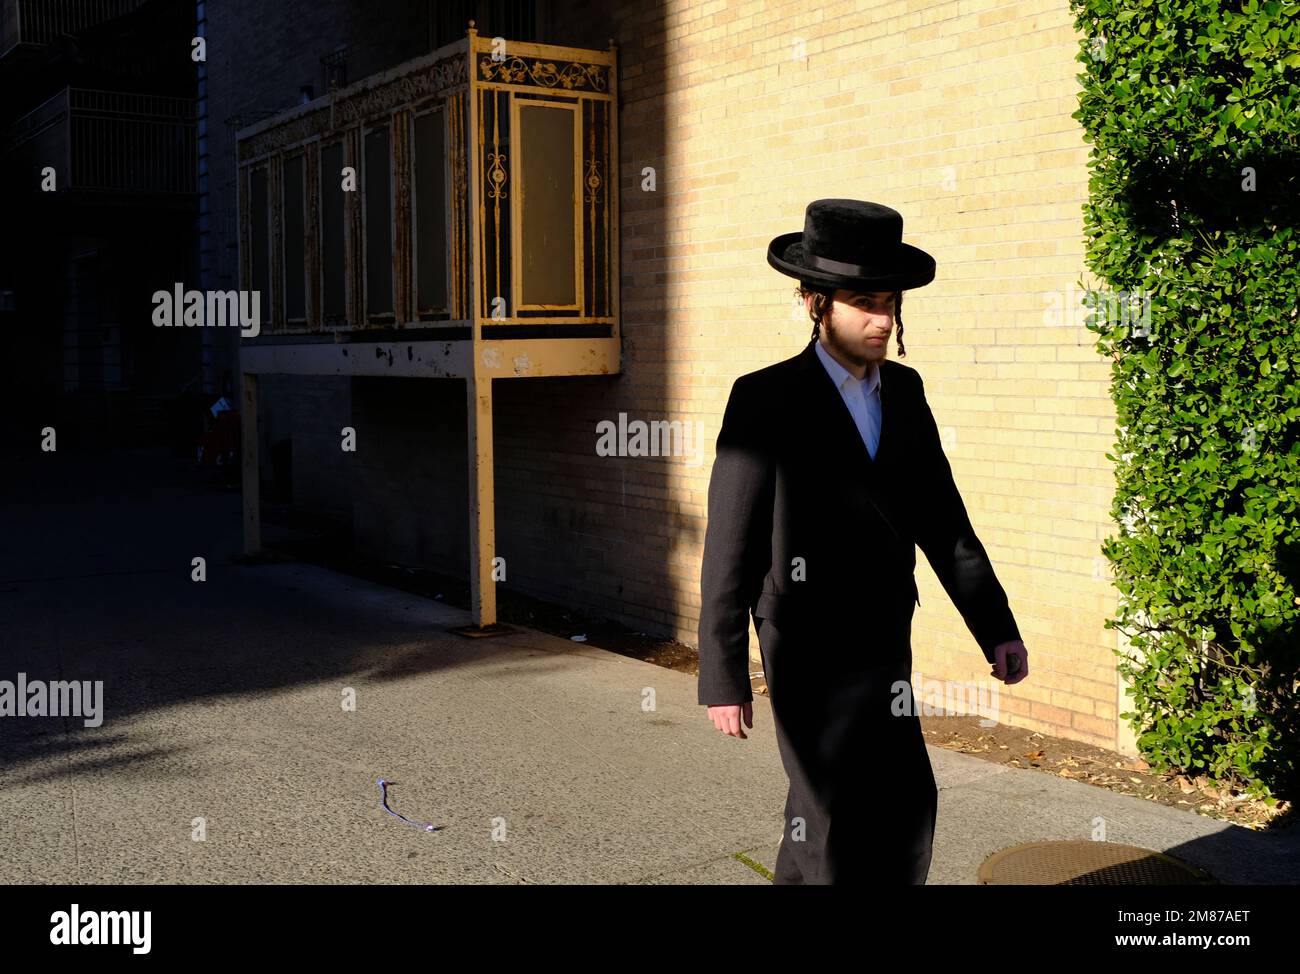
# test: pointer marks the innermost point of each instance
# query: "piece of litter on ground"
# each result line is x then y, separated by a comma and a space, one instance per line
579, 639
383, 799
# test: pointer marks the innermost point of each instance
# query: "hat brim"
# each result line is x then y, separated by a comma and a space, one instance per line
914, 267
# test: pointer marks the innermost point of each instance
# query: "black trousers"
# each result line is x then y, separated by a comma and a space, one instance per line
862, 800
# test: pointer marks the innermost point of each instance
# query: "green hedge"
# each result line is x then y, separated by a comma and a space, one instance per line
1191, 223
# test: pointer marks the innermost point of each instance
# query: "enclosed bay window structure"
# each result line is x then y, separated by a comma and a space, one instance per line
455, 217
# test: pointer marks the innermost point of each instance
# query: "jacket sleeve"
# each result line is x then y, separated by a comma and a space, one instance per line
737, 548
945, 534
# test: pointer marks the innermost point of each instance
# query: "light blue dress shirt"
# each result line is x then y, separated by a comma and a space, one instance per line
862, 396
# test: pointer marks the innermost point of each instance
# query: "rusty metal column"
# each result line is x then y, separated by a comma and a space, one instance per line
478, 384
248, 452
482, 504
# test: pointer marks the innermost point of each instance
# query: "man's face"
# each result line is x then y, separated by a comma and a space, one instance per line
860, 324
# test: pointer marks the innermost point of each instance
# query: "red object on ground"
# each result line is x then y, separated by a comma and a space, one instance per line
219, 446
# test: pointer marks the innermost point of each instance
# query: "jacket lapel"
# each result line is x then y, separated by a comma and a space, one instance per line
840, 433
827, 402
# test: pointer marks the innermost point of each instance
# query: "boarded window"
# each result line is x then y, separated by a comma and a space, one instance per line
548, 180
295, 231
332, 230
430, 213
379, 223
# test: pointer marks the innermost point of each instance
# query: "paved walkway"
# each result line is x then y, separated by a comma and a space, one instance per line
224, 703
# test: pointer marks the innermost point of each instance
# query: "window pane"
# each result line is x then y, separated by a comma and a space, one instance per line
295, 229
546, 207
379, 218
331, 228
430, 213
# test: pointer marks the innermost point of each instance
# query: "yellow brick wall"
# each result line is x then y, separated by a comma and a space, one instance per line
958, 115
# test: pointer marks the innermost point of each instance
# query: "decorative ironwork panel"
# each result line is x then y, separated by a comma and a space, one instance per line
401, 256
283, 136
596, 239
360, 102
370, 100
542, 72
495, 202
257, 262
356, 270
276, 298
313, 239
462, 208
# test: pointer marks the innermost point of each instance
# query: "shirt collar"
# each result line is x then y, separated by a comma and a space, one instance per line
839, 373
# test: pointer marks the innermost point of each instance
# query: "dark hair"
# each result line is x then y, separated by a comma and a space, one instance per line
823, 297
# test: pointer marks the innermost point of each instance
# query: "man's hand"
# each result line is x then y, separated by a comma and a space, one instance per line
1004, 651
726, 718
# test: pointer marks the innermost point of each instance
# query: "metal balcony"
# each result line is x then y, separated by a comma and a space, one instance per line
109, 142
39, 22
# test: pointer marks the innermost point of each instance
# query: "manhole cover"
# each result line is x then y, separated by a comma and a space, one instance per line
1085, 863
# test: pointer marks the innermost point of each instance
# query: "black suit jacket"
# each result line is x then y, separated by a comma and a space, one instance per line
805, 528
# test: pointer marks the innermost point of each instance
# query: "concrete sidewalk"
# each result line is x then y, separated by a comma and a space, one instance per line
223, 703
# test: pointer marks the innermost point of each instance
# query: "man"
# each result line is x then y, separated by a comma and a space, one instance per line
829, 471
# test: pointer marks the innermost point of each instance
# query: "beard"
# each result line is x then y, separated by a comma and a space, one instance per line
853, 353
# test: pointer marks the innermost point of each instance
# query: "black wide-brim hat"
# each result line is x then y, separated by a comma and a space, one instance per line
853, 244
